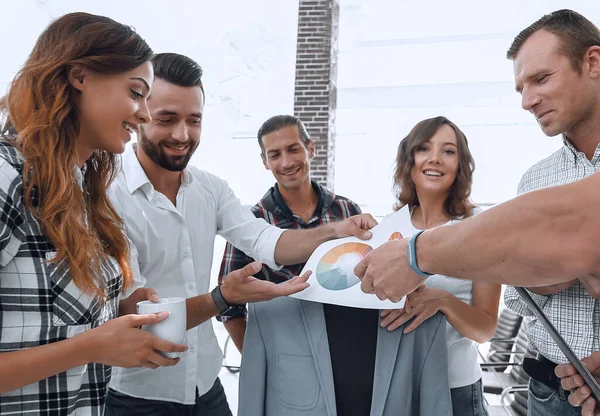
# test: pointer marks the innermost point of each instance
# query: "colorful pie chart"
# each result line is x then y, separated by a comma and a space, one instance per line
335, 270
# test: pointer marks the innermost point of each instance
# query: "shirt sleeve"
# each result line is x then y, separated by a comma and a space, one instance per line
237, 224
354, 208
11, 218
233, 259
138, 279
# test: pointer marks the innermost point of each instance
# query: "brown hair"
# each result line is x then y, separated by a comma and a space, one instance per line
457, 204
41, 112
577, 34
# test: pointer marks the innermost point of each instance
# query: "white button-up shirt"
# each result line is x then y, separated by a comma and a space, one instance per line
172, 252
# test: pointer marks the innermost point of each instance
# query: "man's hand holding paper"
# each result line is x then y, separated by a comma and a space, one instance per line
334, 262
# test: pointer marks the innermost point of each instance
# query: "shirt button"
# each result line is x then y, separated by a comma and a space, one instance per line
192, 349
190, 285
186, 254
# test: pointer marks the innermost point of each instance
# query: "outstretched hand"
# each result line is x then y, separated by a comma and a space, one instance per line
240, 286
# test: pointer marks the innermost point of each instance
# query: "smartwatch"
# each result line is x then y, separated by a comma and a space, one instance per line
411, 255
225, 309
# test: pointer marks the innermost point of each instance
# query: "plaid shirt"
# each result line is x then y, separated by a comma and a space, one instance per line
40, 304
574, 313
273, 209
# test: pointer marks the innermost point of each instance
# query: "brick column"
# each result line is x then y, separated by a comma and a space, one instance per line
315, 92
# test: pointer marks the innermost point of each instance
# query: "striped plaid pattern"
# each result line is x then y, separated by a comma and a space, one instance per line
272, 208
574, 313
39, 304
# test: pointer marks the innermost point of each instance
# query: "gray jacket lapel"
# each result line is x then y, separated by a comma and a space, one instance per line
316, 330
388, 344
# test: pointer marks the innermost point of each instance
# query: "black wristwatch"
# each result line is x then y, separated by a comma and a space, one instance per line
225, 309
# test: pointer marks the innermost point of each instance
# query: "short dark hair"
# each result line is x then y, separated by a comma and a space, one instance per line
278, 122
178, 69
576, 33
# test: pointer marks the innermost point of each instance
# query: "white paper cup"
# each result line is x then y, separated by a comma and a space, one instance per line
172, 328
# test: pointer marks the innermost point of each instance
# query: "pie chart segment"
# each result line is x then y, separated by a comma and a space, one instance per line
335, 270
395, 236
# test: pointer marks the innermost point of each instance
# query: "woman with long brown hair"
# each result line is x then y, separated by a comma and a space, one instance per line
434, 170
63, 256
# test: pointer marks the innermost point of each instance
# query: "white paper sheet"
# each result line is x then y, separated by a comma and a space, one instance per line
332, 263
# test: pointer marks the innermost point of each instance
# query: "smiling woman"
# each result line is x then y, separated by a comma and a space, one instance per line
67, 107
418, 141
434, 170
63, 256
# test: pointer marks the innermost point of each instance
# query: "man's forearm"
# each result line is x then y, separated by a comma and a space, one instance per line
296, 246
541, 238
237, 329
200, 309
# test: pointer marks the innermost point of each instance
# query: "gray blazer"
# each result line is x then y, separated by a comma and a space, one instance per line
286, 365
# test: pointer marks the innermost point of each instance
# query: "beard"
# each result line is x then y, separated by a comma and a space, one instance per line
155, 152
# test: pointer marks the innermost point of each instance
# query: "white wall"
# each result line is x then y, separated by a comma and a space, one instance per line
403, 61
399, 62
247, 50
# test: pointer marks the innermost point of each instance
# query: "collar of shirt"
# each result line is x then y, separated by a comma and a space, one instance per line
273, 201
136, 177
570, 149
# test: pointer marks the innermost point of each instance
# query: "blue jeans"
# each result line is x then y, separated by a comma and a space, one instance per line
545, 401
468, 400
213, 403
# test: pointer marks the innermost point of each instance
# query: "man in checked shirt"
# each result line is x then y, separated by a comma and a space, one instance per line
294, 202
297, 202
557, 71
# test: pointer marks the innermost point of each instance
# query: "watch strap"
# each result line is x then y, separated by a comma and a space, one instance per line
219, 300
411, 255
